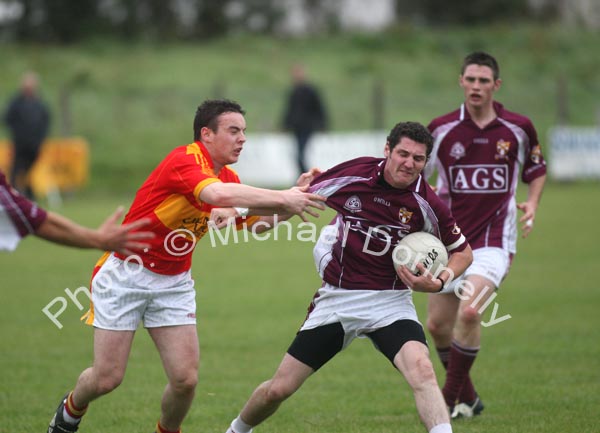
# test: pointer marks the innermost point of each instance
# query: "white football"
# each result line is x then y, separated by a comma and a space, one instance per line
420, 247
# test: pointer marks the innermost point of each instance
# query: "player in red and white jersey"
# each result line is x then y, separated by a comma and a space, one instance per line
378, 201
155, 287
480, 152
20, 217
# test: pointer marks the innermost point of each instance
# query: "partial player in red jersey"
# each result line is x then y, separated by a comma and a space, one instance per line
377, 201
479, 152
155, 287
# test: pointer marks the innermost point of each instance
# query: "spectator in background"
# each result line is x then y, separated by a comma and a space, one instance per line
28, 120
304, 113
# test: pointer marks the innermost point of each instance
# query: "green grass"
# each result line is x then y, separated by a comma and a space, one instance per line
135, 102
537, 372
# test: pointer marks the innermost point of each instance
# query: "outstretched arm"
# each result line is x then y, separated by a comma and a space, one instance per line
269, 221
293, 201
110, 236
223, 216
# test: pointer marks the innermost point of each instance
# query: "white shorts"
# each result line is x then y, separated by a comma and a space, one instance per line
489, 262
9, 235
125, 293
359, 311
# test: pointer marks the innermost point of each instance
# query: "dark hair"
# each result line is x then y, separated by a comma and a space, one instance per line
207, 114
413, 130
482, 59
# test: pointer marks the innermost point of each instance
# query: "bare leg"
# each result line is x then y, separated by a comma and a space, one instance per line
413, 362
180, 353
111, 352
267, 397
468, 326
467, 336
442, 310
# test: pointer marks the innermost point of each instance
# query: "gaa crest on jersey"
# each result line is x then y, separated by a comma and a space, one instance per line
536, 154
353, 204
404, 215
457, 151
502, 148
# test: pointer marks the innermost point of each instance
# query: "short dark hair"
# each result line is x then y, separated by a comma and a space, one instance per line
482, 59
413, 130
208, 113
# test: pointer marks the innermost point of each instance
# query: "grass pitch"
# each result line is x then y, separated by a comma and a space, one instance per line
537, 371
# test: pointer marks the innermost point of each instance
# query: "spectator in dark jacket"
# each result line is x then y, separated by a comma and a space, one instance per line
304, 114
28, 119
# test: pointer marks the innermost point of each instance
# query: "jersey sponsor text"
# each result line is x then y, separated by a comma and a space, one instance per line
478, 179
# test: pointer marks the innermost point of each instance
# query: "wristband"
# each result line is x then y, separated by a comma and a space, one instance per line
442, 281
242, 211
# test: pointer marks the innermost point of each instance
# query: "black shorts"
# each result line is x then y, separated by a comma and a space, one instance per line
315, 347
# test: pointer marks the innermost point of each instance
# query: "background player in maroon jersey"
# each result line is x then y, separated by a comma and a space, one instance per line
478, 152
378, 201
20, 217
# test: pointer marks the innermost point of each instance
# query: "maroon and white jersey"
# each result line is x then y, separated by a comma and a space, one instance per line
478, 172
19, 217
355, 250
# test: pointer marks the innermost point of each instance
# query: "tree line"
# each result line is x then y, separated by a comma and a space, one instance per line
70, 21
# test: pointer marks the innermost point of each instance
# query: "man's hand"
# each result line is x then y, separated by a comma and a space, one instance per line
529, 207
528, 217
425, 282
122, 238
297, 202
308, 177
222, 216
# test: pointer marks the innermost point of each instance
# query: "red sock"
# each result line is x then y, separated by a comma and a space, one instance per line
460, 361
72, 410
467, 392
161, 429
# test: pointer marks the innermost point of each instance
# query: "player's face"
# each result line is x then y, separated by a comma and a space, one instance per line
404, 162
479, 85
226, 143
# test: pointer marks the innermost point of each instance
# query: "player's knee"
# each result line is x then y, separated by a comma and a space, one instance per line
422, 373
185, 382
278, 392
108, 383
424, 369
438, 328
470, 316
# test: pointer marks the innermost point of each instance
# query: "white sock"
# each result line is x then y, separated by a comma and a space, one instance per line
441, 428
239, 426
68, 418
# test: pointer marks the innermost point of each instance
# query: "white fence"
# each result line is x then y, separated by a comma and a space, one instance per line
270, 159
574, 153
